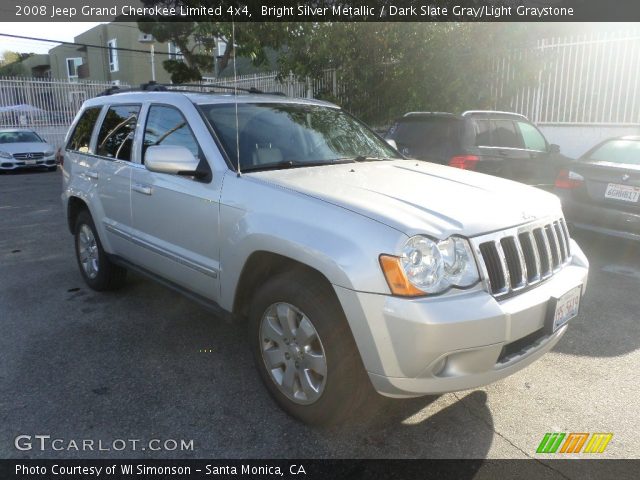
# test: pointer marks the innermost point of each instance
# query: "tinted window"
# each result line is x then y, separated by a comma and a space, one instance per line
617, 151
496, 133
424, 133
167, 126
81, 136
533, 139
116, 134
291, 134
483, 133
503, 134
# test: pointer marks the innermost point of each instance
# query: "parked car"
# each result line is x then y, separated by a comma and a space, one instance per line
600, 191
21, 149
355, 268
497, 143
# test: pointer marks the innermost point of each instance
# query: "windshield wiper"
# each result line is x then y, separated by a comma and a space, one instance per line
292, 164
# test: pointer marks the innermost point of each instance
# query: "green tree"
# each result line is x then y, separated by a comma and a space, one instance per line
10, 63
196, 39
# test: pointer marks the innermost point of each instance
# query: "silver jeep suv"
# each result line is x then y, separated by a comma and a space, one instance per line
354, 267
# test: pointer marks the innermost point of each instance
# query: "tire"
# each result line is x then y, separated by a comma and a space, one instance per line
345, 384
98, 271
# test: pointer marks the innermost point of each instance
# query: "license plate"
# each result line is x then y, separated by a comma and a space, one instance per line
29, 162
563, 309
626, 193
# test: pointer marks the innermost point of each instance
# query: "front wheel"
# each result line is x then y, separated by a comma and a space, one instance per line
96, 268
305, 351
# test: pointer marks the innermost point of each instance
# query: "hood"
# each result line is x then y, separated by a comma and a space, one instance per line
420, 197
30, 147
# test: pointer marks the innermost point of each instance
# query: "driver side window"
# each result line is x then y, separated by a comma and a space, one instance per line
167, 126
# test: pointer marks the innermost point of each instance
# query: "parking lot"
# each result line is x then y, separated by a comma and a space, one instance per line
145, 363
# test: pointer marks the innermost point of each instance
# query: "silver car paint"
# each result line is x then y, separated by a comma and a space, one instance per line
337, 219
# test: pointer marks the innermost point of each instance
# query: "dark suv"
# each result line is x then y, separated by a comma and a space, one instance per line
497, 143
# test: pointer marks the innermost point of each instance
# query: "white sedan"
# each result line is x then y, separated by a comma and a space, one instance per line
20, 149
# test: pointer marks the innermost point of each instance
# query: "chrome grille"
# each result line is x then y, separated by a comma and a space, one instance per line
517, 258
29, 156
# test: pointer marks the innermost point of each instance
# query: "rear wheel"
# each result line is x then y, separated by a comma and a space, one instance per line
304, 349
96, 268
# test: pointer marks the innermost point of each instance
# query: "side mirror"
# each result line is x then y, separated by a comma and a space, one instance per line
392, 142
173, 159
553, 148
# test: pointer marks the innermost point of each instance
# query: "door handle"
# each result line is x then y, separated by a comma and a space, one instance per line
91, 174
140, 188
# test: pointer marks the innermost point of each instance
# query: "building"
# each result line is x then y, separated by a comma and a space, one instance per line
33, 65
114, 53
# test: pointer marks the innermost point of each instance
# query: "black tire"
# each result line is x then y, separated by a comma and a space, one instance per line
109, 276
347, 385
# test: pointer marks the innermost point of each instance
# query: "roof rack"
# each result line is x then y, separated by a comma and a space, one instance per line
469, 113
153, 86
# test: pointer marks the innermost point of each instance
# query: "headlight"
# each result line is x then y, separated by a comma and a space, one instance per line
426, 266
5, 155
49, 153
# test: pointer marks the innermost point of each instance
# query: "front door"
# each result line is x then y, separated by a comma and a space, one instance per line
176, 217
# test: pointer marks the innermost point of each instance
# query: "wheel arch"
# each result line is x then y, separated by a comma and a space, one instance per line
75, 205
262, 265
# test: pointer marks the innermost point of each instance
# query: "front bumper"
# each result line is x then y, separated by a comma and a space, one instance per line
414, 347
7, 164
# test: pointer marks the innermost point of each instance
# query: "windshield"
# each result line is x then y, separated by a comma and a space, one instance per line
291, 135
617, 151
19, 137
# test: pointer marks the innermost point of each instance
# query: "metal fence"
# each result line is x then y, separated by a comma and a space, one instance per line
290, 85
588, 79
42, 104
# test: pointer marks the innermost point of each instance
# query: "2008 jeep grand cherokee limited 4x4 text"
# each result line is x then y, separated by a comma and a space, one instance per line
354, 267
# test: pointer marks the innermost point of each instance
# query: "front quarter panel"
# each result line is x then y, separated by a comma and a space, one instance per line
340, 244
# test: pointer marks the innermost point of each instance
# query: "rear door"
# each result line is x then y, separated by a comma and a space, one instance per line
175, 217
499, 145
513, 148
112, 173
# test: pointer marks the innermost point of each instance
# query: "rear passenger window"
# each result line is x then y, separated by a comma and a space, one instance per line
497, 133
116, 133
81, 137
503, 134
167, 126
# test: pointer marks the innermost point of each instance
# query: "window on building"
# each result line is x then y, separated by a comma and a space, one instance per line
113, 55
174, 52
72, 67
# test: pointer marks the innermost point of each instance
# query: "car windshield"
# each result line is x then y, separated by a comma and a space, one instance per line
272, 135
19, 137
617, 151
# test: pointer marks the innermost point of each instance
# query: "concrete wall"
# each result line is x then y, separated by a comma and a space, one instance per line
574, 140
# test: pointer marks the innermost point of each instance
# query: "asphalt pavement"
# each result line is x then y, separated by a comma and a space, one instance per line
145, 363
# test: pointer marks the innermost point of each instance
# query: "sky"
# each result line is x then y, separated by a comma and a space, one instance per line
64, 31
